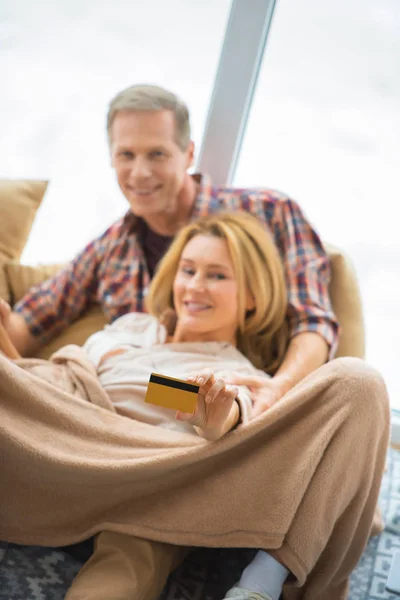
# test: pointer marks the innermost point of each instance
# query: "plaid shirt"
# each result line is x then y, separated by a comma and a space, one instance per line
112, 270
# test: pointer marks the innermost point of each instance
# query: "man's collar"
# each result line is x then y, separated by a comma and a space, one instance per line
130, 222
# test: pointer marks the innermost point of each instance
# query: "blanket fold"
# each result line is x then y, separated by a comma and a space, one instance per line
301, 480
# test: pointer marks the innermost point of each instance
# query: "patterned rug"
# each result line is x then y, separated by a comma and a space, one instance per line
33, 573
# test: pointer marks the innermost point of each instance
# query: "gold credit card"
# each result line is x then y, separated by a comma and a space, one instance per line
172, 393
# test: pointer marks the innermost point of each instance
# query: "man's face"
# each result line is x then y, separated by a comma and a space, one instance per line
150, 166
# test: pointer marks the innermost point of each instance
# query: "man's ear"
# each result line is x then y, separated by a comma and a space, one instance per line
190, 154
112, 158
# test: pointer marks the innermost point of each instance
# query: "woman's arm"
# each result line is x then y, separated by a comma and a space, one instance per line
130, 330
110, 354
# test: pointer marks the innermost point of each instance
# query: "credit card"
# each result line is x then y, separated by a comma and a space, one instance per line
170, 392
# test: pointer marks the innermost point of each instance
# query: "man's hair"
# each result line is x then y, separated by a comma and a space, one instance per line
262, 332
151, 98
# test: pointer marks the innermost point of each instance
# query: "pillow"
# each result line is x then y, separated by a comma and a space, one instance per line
346, 300
19, 201
344, 293
77, 333
20, 278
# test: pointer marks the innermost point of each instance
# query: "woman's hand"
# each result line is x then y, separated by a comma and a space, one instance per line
217, 410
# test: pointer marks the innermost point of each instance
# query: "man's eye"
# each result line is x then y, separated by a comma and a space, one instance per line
128, 155
157, 154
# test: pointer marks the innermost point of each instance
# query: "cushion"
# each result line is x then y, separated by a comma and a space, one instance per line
20, 278
346, 300
19, 201
344, 292
77, 333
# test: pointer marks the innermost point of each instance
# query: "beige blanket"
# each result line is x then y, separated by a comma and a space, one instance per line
302, 480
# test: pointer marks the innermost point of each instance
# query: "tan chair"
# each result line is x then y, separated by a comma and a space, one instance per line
346, 300
19, 201
344, 290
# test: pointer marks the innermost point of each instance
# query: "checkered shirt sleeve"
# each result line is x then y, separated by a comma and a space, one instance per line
52, 305
308, 274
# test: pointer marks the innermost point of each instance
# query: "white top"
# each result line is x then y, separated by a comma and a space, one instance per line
125, 377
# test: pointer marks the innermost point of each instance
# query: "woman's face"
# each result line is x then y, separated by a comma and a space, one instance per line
205, 292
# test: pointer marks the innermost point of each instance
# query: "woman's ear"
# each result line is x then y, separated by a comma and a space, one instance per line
169, 319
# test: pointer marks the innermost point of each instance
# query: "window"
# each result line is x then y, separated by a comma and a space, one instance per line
62, 63
325, 129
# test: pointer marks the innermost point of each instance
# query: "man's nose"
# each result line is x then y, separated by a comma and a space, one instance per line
140, 168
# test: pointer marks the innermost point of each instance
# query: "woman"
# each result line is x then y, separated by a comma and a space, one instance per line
206, 287
284, 482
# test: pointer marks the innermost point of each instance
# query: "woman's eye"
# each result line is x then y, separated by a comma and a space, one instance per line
187, 271
218, 276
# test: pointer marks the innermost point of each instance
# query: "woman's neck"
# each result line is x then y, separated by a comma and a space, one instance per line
183, 335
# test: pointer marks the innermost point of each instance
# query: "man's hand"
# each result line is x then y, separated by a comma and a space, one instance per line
216, 411
5, 312
307, 351
264, 392
6, 346
17, 332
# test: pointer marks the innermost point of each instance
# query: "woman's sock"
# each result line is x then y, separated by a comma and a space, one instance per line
264, 575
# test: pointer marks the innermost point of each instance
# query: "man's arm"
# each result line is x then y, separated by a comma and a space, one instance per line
313, 327
51, 306
306, 352
308, 272
19, 334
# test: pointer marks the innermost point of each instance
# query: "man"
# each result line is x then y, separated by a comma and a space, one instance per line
151, 152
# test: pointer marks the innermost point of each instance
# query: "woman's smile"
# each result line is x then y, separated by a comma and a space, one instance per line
205, 292
196, 307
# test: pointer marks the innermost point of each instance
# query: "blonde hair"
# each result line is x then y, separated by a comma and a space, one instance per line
262, 332
151, 98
